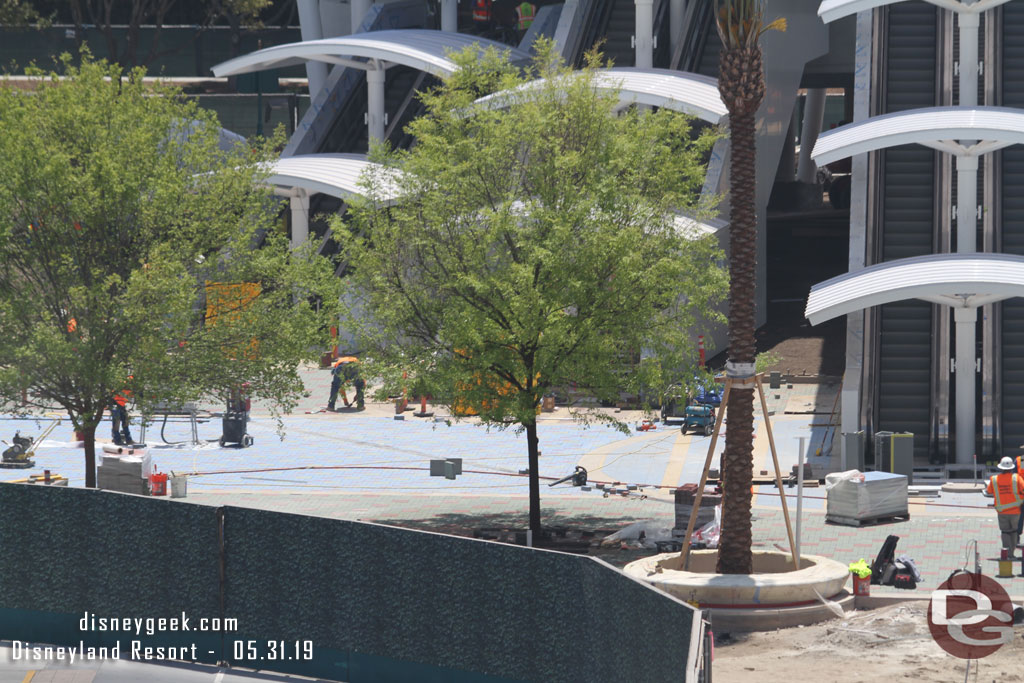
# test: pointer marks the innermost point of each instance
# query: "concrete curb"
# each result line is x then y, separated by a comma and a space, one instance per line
775, 586
747, 620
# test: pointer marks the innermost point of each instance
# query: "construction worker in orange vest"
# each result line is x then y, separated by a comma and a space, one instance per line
1007, 488
119, 418
525, 12
482, 12
343, 371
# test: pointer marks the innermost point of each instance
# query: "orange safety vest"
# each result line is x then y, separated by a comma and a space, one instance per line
1007, 489
121, 399
1020, 465
482, 10
526, 13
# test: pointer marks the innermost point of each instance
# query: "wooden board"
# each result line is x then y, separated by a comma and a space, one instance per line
770, 481
851, 521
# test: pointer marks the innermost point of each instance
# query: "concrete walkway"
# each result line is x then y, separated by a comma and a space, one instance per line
367, 465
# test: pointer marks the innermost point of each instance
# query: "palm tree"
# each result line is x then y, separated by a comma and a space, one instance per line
741, 84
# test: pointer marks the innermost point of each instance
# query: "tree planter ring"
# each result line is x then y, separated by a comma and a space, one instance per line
774, 596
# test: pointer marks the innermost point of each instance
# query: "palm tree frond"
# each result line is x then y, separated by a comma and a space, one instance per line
741, 22
777, 25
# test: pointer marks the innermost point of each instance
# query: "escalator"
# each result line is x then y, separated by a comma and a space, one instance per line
618, 32
349, 132
335, 121
906, 220
1010, 175
614, 23
700, 44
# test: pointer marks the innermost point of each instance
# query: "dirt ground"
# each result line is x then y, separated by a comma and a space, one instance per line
886, 644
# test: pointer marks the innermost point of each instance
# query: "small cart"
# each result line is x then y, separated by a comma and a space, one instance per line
700, 418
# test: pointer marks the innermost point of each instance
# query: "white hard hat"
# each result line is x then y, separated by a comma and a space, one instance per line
1007, 464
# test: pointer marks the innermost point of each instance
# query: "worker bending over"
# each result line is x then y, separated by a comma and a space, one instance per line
343, 371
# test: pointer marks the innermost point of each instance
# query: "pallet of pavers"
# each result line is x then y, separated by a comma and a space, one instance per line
866, 498
124, 473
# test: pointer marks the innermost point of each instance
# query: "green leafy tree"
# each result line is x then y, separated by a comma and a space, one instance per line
19, 13
137, 254
532, 247
741, 84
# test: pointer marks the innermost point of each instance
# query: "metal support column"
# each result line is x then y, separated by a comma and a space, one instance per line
814, 113
644, 35
850, 401
966, 204
676, 14
969, 24
991, 229
966, 319
450, 16
966, 242
375, 100
299, 203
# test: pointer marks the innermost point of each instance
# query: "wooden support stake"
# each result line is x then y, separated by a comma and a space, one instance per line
778, 474
684, 555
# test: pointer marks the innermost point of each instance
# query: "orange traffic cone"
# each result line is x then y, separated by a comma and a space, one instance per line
423, 408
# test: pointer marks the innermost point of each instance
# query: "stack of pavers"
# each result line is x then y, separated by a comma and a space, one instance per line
685, 496
124, 473
882, 495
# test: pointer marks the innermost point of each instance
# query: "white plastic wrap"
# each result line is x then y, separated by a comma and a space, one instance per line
653, 531
850, 475
139, 465
879, 494
711, 532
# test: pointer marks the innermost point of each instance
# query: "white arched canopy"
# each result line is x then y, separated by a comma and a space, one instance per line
372, 52
830, 10
964, 282
418, 48
337, 175
936, 127
959, 280
965, 132
686, 92
968, 20
694, 229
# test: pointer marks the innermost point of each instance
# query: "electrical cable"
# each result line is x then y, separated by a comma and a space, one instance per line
508, 474
371, 488
164, 438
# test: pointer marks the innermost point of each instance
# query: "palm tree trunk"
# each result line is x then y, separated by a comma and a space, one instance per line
741, 83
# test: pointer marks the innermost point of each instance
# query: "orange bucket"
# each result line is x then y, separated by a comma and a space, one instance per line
158, 484
861, 586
